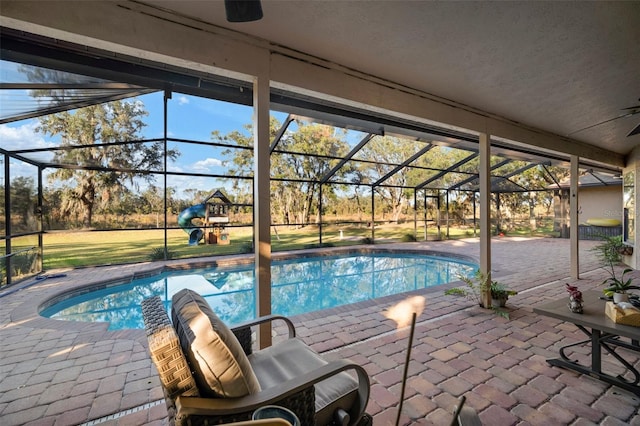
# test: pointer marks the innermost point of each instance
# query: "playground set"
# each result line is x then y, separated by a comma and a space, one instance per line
214, 210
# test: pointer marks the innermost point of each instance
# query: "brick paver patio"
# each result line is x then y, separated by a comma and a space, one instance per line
66, 373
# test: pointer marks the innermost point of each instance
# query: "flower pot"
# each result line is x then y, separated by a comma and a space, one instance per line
499, 302
620, 297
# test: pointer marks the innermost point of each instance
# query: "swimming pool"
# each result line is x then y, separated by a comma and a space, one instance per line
299, 285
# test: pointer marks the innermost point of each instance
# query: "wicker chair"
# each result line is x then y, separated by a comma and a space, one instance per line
289, 373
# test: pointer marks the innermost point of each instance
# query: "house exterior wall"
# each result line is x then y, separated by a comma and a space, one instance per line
603, 202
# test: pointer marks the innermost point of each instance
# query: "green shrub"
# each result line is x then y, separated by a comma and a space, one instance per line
315, 245
158, 254
246, 247
408, 238
24, 263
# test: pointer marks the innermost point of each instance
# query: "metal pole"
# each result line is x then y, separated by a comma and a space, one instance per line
40, 210
425, 217
7, 225
320, 215
373, 216
406, 367
438, 205
447, 216
415, 214
167, 96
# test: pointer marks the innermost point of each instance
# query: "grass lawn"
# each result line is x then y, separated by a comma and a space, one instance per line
90, 248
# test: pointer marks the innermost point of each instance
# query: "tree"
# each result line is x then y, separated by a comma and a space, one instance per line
302, 197
291, 200
106, 161
23, 200
387, 152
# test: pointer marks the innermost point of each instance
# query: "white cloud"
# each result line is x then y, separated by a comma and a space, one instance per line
22, 137
183, 100
182, 183
207, 164
172, 167
17, 137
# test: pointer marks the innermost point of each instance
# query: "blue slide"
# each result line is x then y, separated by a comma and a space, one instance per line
184, 221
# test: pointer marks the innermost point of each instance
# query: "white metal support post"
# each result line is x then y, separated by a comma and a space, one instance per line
573, 218
261, 203
484, 175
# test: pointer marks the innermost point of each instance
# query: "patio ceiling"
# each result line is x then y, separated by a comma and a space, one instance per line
569, 68
60, 90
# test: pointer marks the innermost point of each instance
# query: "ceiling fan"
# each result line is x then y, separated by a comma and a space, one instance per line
632, 110
243, 10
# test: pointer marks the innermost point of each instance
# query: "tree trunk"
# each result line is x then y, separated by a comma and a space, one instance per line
88, 199
532, 216
87, 213
398, 205
308, 200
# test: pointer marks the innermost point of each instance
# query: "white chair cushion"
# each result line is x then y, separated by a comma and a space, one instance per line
220, 366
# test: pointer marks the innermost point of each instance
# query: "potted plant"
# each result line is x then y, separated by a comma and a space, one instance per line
618, 287
475, 285
500, 294
609, 252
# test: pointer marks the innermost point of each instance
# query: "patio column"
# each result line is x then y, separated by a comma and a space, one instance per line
484, 177
261, 202
573, 218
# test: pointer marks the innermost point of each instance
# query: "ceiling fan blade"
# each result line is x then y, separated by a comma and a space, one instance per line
599, 124
637, 107
635, 131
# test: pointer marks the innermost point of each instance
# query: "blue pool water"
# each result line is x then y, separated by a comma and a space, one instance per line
298, 285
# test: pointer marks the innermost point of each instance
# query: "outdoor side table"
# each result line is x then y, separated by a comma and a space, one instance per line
603, 334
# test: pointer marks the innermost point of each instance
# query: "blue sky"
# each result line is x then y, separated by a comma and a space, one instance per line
189, 117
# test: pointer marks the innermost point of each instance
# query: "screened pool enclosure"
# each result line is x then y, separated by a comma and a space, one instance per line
101, 153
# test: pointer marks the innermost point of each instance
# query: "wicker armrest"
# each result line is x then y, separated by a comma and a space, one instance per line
197, 406
166, 353
154, 315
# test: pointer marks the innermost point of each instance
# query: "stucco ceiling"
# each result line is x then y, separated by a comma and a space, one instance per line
563, 67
